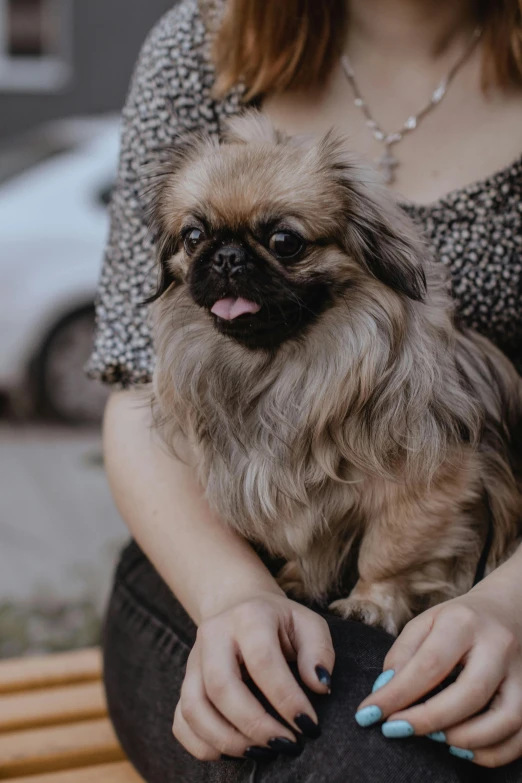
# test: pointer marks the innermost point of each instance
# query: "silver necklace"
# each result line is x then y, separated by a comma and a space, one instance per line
387, 162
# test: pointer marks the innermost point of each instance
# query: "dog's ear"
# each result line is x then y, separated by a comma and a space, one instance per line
378, 233
384, 242
158, 177
165, 249
159, 172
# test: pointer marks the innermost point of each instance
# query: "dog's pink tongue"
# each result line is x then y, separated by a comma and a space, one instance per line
231, 308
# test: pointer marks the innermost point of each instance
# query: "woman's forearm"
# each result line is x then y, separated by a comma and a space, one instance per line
206, 565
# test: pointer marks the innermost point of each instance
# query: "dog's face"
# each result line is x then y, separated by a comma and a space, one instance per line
267, 232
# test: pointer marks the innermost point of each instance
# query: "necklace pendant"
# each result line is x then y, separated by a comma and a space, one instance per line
393, 138
387, 164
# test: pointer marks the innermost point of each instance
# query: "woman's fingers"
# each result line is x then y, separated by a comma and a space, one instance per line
264, 660
498, 755
205, 721
312, 642
408, 642
479, 715
500, 722
493, 738
230, 696
448, 641
219, 715
474, 688
190, 740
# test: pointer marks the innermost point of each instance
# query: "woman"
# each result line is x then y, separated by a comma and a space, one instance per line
196, 70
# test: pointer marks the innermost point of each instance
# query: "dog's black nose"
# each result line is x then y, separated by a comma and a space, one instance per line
229, 259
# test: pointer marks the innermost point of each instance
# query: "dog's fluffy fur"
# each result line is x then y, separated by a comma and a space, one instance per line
348, 427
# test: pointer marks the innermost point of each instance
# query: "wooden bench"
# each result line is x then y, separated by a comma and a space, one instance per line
53, 722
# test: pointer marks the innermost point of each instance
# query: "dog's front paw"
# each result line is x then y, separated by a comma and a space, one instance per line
380, 604
365, 611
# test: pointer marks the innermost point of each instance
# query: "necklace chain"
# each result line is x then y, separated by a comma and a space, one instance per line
387, 162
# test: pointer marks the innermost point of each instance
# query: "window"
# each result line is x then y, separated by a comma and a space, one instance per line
34, 44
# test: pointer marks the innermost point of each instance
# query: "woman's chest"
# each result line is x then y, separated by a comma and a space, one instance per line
477, 234
463, 139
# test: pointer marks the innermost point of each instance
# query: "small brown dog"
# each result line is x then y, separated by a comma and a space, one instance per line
306, 349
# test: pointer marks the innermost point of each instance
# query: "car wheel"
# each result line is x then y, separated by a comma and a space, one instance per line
63, 391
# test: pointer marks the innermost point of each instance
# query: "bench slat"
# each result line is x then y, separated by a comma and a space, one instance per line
119, 772
50, 706
43, 672
58, 748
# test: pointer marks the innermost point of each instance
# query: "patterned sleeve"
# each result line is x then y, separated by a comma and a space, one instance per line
170, 93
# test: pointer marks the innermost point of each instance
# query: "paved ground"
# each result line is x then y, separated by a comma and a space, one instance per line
59, 536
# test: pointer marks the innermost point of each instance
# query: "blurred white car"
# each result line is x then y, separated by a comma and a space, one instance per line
54, 192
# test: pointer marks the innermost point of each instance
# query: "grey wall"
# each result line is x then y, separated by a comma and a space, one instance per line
107, 36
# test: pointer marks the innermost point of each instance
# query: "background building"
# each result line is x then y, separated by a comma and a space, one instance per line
68, 57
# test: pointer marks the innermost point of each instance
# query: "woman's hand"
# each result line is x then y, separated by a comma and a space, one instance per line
218, 714
480, 715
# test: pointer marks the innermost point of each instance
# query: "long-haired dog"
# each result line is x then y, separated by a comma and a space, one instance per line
306, 349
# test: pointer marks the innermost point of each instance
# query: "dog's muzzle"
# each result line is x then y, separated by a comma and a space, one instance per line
229, 262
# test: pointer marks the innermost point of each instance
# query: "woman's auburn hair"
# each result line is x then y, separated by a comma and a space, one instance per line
275, 46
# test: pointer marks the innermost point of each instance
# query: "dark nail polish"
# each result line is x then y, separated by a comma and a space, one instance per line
224, 757
260, 754
324, 677
285, 746
307, 726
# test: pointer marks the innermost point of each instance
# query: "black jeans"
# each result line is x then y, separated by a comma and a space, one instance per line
148, 637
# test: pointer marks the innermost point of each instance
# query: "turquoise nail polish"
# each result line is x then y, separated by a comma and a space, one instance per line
462, 753
397, 729
368, 715
437, 736
383, 679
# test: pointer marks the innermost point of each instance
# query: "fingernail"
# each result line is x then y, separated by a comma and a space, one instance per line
383, 679
437, 736
307, 726
260, 754
324, 676
368, 716
285, 746
397, 729
462, 753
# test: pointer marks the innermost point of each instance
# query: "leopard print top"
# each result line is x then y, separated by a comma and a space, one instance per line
475, 231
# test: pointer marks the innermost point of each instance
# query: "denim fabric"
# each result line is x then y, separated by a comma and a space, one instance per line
147, 639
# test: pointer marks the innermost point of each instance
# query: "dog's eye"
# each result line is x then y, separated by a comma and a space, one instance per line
193, 238
286, 244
